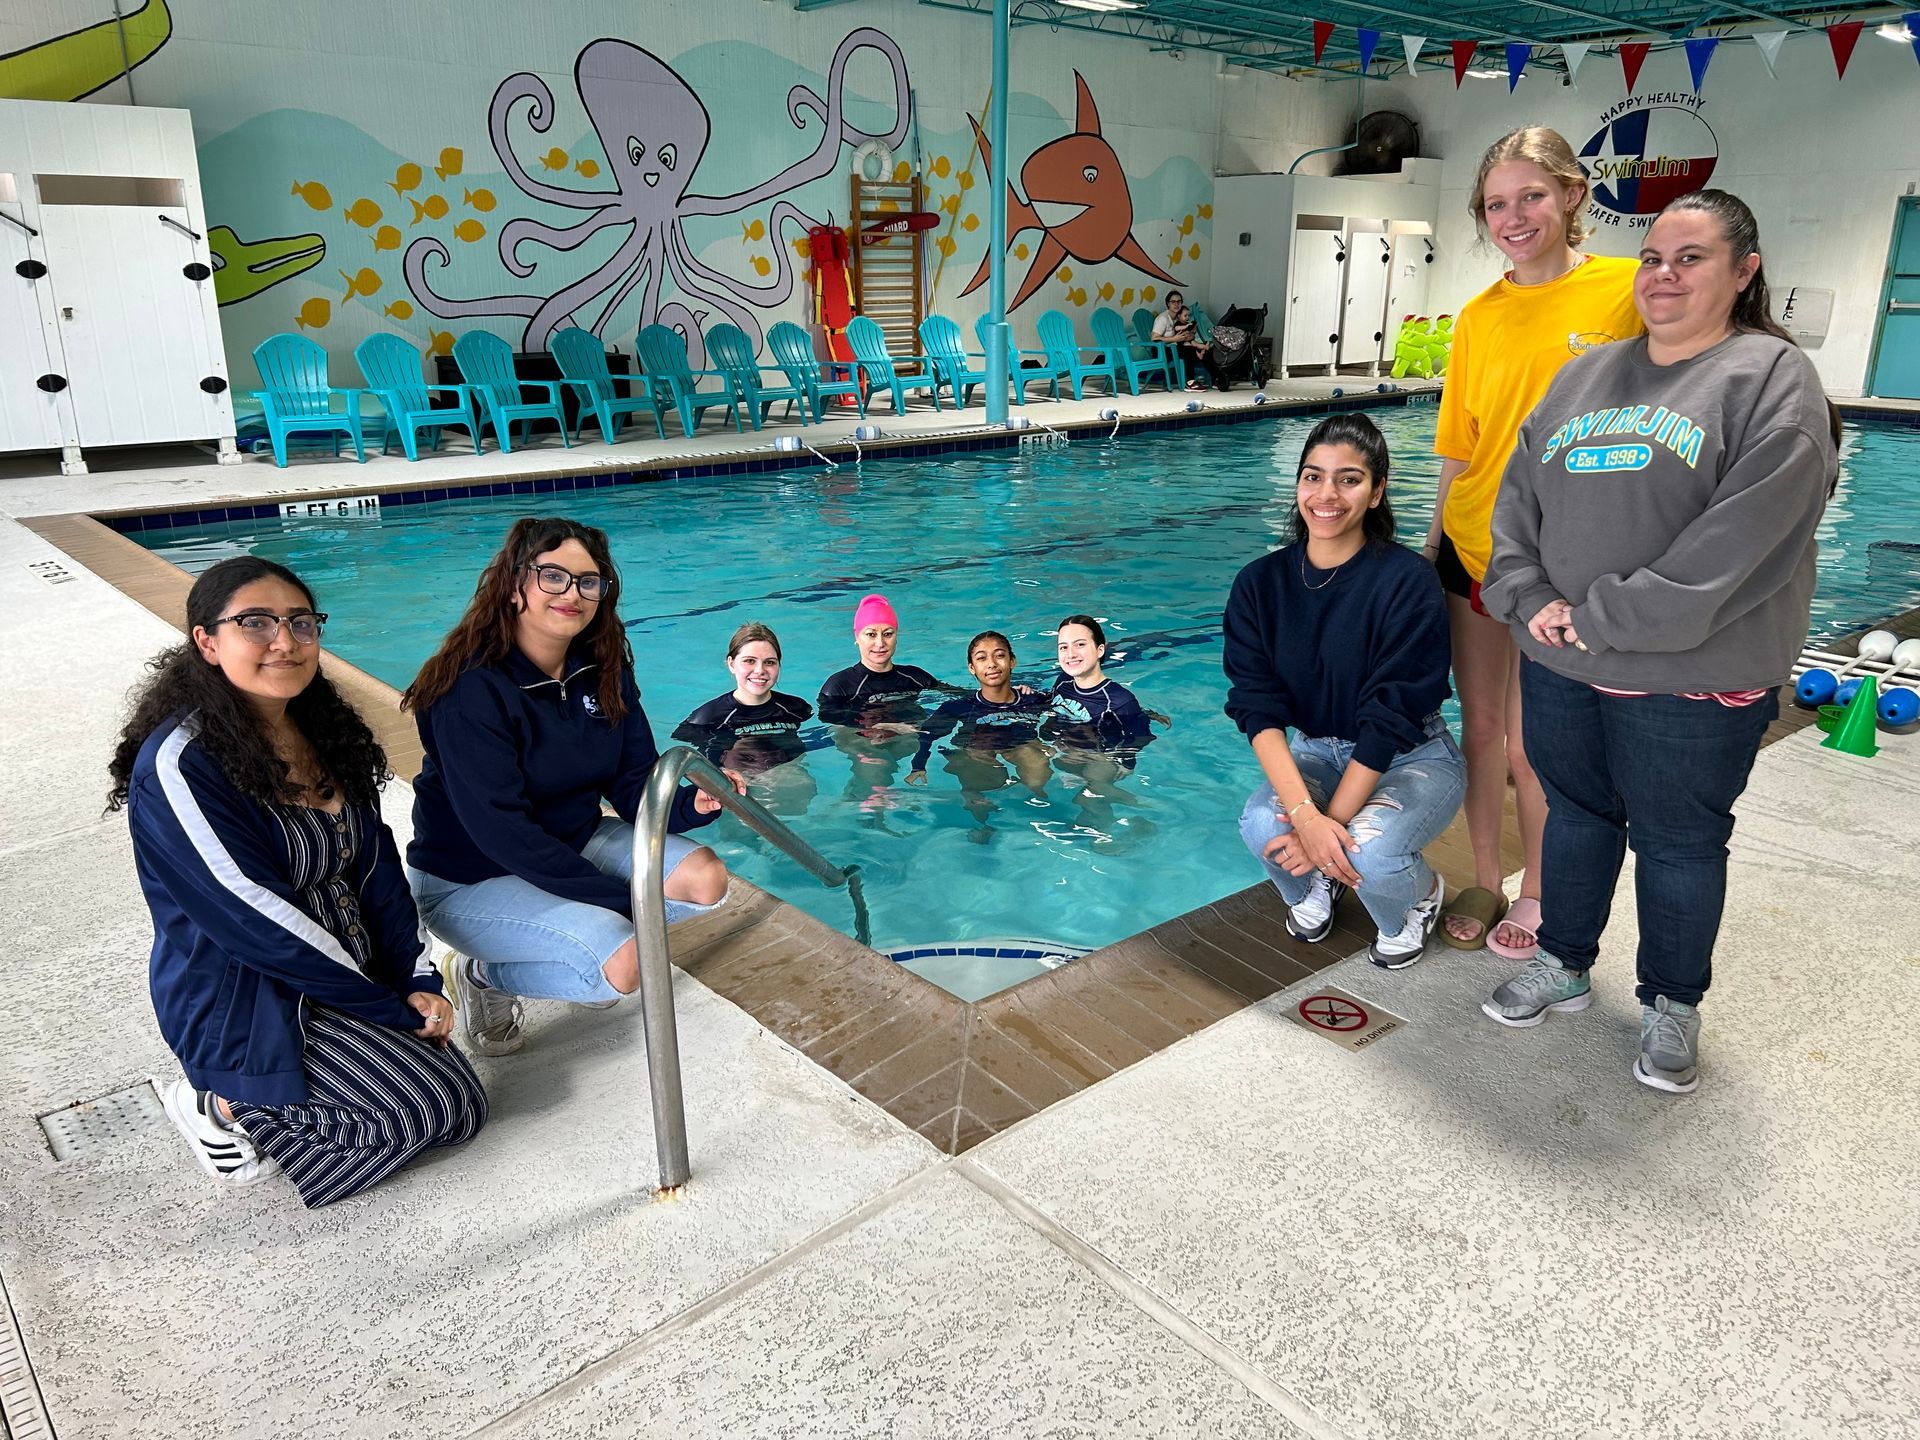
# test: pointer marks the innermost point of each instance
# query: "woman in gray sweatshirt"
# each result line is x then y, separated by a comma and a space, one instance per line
1653, 552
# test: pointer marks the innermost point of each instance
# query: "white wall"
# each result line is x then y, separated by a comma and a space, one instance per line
1820, 160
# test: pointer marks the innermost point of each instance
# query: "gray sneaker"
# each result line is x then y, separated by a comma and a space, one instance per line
1544, 985
1669, 1046
489, 1019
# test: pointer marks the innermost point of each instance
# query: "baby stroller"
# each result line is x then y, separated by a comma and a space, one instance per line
1233, 357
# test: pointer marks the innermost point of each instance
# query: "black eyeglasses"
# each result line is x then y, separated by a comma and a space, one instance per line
262, 628
556, 580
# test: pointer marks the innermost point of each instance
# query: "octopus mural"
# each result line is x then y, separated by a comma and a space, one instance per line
654, 130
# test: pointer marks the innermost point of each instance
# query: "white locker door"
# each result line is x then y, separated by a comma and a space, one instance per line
30, 417
1361, 331
1407, 287
131, 323
1313, 306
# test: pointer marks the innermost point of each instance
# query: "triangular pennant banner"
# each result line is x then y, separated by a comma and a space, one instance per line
1912, 21
1368, 39
1462, 58
1633, 54
1770, 42
1575, 51
1322, 32
1842, 38
1413, 45
1699, 56
1517, 56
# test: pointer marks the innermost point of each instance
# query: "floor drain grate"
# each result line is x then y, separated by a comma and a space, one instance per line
23, 1410
90, 1126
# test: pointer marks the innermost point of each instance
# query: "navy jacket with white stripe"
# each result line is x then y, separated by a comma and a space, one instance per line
234, 955
515, 766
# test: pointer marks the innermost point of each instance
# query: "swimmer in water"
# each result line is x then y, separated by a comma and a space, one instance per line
754, 728
875, 706
996, 727
1096, 725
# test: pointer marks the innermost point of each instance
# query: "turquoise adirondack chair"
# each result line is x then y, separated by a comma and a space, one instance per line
664, 354
793, 348
1056, 335
583, 366
1021, 376
298, 400
730, 349
1143, 319
1110, 334
870, 358
486, 364
393, 371
946, 351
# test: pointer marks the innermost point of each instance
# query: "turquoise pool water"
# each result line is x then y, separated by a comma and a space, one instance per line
1145, 533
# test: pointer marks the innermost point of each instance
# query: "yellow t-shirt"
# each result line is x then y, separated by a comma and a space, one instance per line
1508, 343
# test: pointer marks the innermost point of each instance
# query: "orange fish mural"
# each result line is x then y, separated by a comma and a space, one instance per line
1077, 197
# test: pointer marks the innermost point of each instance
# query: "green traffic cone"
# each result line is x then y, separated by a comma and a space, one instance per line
1854, 734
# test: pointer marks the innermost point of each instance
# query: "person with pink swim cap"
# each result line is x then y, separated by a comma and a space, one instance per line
875, 705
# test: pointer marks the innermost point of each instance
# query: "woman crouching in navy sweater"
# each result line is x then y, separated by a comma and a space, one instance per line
287, 970
529, 716
1342, 638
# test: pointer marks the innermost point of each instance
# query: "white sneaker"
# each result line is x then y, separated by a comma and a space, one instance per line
220, 1149
489, 1019
1397, 951
1312, 918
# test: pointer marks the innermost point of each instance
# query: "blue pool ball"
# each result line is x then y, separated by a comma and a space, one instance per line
1899, 706
1844, 695
1816, 687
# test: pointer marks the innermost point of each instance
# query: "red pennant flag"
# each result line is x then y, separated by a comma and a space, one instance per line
1462, 58
1322, 32
1841, 38
1633, 54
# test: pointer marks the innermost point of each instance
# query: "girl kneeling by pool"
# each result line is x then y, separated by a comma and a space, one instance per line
530, 716
997, 726
1341, 637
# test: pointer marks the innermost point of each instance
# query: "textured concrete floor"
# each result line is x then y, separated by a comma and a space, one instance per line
1461, 1231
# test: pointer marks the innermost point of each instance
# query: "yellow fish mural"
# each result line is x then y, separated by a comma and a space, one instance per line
555, 159
481, 200
1186, 225
761, 265
1205, 211
971, 223
450, 162
469, 230
317, 196
434, 209
751, 231
74, 65
1173, 260
315, 313
902, 172
1126, 296
1020, 251
386, 238
945, 246
1106, 290
399, 310
442, 342
363, 213
588, 168
1193, 252
1077, 295
366, 282
1147, 294
942, 166
405, 178
803, 247
1064, 275
888, 207
966, 179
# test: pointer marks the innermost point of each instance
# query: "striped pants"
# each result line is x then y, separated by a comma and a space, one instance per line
377, 1099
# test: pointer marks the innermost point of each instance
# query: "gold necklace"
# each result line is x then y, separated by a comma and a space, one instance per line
1332, 576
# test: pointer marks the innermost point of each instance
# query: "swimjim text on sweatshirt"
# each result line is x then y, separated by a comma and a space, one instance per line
1673, 507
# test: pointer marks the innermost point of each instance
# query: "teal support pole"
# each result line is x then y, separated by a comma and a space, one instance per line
999, 333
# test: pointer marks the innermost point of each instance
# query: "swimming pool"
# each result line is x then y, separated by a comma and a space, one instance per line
1144, 532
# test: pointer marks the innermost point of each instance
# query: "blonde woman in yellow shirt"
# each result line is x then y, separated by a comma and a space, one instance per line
1508, 343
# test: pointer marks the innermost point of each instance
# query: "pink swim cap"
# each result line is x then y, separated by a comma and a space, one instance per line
874, 610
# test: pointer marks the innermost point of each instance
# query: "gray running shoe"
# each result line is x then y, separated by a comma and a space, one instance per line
1544, 985
489, 1019
1397, 951
1312, 919
1669, 1046
596, 1004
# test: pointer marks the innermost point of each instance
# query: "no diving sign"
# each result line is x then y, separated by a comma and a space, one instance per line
1345, 1019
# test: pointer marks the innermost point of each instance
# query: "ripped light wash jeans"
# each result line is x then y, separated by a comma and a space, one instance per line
1415, 799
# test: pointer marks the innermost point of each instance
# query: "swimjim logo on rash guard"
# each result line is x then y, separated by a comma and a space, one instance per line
1668, 428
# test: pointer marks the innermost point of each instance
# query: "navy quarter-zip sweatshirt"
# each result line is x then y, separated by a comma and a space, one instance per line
516, 766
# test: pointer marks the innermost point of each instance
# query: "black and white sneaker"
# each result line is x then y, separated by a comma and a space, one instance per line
220, 1148
1396, 952
1312, 919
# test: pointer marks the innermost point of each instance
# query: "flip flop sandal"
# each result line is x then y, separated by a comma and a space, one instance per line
1523, 915
1486, 908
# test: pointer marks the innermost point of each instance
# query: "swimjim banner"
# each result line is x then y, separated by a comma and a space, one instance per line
1648, 151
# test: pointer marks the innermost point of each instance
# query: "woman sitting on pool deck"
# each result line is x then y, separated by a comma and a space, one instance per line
1342, 637
529, 715
287, 970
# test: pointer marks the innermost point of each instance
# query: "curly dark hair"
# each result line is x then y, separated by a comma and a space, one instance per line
182, 681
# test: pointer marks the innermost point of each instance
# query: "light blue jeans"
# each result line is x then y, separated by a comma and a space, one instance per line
533, 943
1415, 799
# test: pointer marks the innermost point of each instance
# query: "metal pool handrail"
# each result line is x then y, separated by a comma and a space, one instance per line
650, 929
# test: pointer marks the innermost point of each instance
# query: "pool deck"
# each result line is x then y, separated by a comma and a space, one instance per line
1115, 1222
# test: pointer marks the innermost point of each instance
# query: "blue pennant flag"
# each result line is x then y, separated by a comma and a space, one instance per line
1517, 56
1368, 39
1699, 56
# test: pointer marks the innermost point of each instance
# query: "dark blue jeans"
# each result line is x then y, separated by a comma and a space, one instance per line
1655, 772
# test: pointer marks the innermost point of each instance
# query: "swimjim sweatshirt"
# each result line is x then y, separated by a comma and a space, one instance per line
1673, 506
